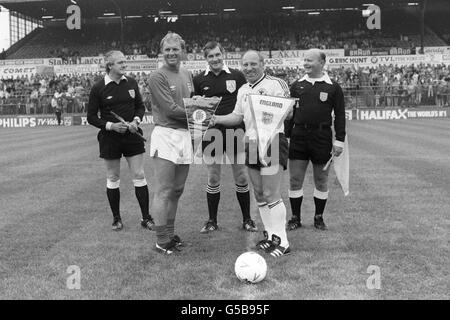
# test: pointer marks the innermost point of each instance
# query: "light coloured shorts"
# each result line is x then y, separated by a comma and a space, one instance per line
174, 145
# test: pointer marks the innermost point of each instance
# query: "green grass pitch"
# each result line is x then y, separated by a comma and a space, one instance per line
54, 214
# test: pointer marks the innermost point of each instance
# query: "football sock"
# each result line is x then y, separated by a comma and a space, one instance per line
243, 196
170, 228
213, 197
143, 199
296, 198
264, 212
162, 236
114, 201
320, 200
278, 221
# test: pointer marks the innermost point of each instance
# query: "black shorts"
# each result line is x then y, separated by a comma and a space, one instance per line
235, 144
313, 144
252, 153
113, 144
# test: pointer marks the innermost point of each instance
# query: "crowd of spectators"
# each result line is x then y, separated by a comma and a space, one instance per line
383, 86
386, 86
40, 93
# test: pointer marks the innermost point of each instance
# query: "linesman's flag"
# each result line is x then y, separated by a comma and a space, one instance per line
342, 168
199, 112
268, 113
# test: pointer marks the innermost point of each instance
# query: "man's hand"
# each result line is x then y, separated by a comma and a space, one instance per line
133, 126
119, 127
290, 113
213, 121
337, 150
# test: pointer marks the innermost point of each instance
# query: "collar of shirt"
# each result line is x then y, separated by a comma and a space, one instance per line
254, 84
108, 79
324, 78
224, 68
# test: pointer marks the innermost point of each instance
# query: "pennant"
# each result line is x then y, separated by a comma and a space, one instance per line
199, 112
268, 113
341, 166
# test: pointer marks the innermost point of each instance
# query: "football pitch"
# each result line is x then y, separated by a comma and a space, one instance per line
54, 214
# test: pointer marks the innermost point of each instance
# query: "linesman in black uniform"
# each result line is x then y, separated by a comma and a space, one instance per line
220, 81
120, 94
311, 134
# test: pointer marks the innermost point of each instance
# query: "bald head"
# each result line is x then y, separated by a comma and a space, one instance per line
314, 62
253, 54
317, 53
253, 65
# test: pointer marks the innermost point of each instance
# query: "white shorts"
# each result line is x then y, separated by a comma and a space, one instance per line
171, 144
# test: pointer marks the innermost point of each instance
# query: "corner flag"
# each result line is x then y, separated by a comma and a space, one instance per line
342, 168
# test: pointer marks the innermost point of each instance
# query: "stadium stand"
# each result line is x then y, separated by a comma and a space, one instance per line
295, 31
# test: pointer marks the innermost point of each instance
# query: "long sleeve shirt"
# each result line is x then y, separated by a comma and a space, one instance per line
122, 98
168, 87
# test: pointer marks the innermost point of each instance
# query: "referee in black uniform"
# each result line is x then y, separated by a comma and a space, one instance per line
311, 135
120, 94
220, 81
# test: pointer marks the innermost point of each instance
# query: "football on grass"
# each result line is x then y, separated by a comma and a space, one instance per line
250, 267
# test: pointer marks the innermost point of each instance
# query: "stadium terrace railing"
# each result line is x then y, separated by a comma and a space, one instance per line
26, 105
355, 98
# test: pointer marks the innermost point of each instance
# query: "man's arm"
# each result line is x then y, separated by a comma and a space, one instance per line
229, 120
93, 108
139, 107
289, 121
139, 110
339, 120
234, 118
159, 89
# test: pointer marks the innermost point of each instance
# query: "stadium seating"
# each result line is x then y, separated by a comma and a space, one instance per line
282, 32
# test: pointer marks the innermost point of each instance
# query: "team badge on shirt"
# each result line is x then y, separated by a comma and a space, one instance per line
132, 93
323, 96
262, 91
231, 85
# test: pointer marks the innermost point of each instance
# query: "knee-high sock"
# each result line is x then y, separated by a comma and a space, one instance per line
320, 200
162, 236
114, 201
113, 194
170, 228
296, 198
243, 196
264, 212
212, 198
278, 221
141, 192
